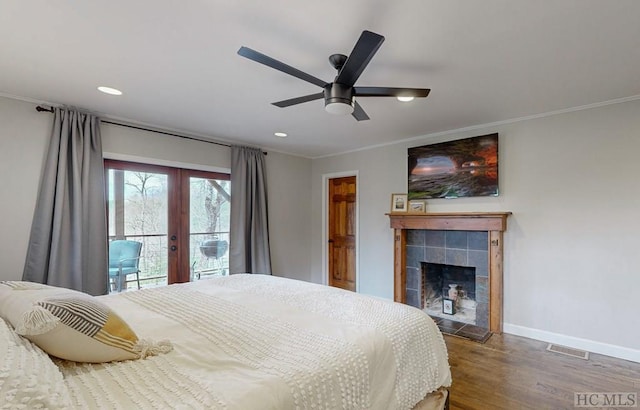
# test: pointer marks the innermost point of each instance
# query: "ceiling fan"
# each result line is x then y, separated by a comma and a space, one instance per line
339, 95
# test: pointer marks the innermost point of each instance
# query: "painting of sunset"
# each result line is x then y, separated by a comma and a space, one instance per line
454, 169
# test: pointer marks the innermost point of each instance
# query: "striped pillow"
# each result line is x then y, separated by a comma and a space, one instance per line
67, 324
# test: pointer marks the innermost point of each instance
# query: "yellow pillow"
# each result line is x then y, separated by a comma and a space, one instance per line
67, 324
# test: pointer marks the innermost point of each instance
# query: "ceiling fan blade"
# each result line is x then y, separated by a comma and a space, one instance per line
358, 113
298, 100
280, 66
390, 92
364, 50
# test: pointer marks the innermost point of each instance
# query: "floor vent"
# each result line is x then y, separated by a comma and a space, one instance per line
568, 351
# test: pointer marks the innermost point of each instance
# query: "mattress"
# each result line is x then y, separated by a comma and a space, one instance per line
265, 342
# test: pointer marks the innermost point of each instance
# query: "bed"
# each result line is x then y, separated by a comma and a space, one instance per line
264, 342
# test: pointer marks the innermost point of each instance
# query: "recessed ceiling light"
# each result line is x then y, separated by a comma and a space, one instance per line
109, 90
280, 134
405, 99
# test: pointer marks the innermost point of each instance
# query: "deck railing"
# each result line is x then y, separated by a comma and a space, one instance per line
154, 263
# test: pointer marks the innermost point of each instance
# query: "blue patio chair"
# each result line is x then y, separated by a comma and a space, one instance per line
124, 258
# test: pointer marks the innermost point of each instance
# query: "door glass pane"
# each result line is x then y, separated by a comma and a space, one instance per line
138, 211
209, 226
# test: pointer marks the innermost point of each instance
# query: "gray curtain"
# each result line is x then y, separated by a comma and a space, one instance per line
249, 231
68, 243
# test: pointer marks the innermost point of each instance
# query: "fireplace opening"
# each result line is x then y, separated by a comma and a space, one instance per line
449, 291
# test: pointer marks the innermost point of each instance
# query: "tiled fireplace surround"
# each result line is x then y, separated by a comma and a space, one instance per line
442, 235
458, 248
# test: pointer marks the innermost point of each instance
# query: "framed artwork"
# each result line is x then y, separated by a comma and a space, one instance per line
454, 169
399, 203
448, 307
417, 206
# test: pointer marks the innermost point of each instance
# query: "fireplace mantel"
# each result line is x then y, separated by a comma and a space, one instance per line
495, 223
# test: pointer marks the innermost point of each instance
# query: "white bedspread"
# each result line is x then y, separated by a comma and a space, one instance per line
262, 342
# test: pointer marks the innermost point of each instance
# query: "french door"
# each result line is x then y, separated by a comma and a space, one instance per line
180, 216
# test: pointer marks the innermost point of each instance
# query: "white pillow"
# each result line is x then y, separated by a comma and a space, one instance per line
67, 324
28, 377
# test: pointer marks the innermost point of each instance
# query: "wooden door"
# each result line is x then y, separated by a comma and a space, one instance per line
342, 232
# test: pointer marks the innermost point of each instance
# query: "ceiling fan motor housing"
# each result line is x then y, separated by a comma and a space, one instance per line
338, 99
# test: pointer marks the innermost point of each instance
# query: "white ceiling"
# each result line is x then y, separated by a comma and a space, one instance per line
176, 62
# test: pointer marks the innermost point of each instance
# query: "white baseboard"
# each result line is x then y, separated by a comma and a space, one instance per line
619, 352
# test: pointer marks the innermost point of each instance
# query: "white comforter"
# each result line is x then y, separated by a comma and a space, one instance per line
263, 342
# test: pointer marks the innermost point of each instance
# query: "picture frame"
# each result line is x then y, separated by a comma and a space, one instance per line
454, 169
399, 203
448, 306
417, 206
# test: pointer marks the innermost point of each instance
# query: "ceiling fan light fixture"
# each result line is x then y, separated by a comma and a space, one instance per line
405, 98
338, 99
338, 108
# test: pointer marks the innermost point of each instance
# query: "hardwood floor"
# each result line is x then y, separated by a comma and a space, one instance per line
511, 372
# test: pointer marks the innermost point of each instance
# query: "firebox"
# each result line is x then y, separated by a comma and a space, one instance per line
455, 285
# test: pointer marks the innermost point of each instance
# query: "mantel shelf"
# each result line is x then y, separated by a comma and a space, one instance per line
463, 221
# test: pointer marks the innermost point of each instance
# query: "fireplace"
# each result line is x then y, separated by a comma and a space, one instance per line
455, 284
463, 240
437, 259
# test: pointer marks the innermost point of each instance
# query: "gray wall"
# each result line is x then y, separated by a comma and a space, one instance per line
570, 247
23, 140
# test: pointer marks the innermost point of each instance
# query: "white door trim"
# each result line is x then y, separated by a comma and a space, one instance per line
325, 224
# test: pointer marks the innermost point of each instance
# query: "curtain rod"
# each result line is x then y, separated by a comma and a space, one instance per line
40, 108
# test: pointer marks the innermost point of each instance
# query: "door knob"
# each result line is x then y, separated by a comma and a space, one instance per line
173, 247
173, 237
